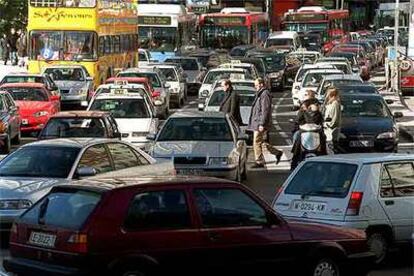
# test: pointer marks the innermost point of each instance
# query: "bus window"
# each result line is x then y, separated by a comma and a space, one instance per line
224, 36
158, 38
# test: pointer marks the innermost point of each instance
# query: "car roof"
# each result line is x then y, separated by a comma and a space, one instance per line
197, 114
283, 34
240, 88
137, 79
342, 77
23, 74
23, 84
364, 158
237, 70
363, 95
69, 142
140, 70
248, 46
304, 53
106, 184
126, 86
316, 66
324, 71
81, 113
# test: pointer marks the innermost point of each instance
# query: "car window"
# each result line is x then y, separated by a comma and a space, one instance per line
73, 127
9, 101
28, 94
158, 210
66, 74
124, 156
122, 108
96, 157
355, 106
397, 180
322, 179
153, 78
228, 207
169, 74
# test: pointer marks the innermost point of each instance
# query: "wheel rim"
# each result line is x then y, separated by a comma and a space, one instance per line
378, 247
326, 268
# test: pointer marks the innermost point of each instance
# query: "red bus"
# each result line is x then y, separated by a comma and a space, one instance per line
332, 24
233, 27
278, 8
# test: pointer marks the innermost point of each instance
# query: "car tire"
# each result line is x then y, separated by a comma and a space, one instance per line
378, 244
17, 139
7, 146
325, 267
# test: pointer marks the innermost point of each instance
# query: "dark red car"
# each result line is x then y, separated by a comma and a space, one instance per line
174, 225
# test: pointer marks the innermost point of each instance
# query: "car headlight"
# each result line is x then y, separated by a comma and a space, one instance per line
219, 161
204, 93
41, 113
387, 135
15, 204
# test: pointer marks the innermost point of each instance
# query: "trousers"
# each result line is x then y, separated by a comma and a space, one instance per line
260, 143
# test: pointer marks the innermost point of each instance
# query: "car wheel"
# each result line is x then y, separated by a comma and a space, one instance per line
16, 140
378, 244
325, 267
7, 146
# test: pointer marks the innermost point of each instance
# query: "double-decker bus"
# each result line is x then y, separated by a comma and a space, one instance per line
332, 24
101, 35
233, 27
164, 29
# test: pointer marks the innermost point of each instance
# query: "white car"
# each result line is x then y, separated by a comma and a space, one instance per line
313, 79
306, 57
296, 87
132, 109
176, 82
371, 191
251, 69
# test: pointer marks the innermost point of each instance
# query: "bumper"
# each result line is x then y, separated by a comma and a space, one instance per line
228, 172
275, 82
31, 124
29, 267
7, 217
36, 128
66, 98
175, 97
383, 145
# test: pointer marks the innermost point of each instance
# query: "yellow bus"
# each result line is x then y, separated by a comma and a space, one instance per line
101, 35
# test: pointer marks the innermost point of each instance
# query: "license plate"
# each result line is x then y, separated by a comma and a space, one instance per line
189, 172
361, 143
25, 122
42, 239
307, 206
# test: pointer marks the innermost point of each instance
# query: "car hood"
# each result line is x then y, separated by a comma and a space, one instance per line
366, 125
192, 148
27, 187
67, 85
27, 108
136, 125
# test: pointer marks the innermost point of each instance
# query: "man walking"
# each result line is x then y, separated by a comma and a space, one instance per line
260, 123
12, 40
231, 102
5, 49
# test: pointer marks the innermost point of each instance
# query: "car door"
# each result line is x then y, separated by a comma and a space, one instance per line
397, 197
236, 229
13, 110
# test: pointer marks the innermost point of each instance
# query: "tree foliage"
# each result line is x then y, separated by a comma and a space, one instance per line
13, 14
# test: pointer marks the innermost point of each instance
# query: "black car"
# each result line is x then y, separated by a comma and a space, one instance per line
241, 50
367, 125
10, 122
207, 58
257, 62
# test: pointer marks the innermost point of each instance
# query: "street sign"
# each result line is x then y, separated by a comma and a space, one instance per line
392, 53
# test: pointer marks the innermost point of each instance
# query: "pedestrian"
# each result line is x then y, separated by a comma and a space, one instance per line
22, 49
12, 40
332, 118
5, 48
260, 123
231, 102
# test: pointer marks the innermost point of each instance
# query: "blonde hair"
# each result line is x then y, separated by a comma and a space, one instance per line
332, 94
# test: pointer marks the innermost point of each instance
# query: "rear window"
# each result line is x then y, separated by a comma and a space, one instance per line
323, 179
65, 209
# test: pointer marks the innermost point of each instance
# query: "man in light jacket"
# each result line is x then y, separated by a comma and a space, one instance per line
260, 123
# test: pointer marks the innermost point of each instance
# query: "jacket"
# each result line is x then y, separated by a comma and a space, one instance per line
261, 114
332, 128
231, 105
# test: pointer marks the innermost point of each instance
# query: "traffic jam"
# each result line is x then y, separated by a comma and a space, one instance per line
137, 142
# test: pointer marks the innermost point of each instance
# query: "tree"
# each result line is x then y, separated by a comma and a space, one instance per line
13, 14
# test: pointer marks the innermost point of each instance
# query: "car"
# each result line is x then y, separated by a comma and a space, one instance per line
161, 95
199, 143
74, 82
219, 74
351, 57
192, 68
132, 109
305, 57
144, 57
371, 192
367, 125
131, 80
18, 77
28, 173
240, 50
10, 122
207, 58
287, 41
115, 227
344, 66
249, 67
36, 104
334, 81
80, 124
258, 64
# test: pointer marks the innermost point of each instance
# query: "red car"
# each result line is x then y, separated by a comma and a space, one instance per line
174, 226
36, 104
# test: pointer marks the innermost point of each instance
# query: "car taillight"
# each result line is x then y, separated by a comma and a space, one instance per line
156, 94
354, 204
78, 243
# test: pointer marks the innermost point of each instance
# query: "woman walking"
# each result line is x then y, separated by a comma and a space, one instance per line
5, 48
332, 118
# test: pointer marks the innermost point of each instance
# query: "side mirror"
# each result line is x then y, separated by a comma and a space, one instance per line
398, 115
272, 220
389, 101
85, 172
201, 107
151, 137
54, 87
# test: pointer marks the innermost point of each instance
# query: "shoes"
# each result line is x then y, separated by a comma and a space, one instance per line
278, 156
257, 166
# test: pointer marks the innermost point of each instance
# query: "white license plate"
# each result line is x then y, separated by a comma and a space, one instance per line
361, 143
307, 206
189, 172
42, 239
25, 122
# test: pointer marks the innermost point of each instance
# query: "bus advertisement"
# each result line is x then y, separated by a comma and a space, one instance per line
226, 30
164, 28
101, 35
331, 24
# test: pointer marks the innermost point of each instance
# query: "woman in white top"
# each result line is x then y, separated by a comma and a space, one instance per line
332, 118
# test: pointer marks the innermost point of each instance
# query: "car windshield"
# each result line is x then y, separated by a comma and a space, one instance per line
188, 64
246, 98
28, 94
122, 108
213, 76
35, 161
66, 74
322, 179
73, 127
155, 81
274, 62
364, 107
196, 129
169, 74
279, 42
357, 89
314, 79
258, 64
343, 67
23, 79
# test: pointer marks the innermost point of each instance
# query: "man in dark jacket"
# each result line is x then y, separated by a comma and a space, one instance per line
12, 40
260, 123
231, 102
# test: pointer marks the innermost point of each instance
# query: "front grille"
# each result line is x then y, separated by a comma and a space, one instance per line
63, 91
190, 160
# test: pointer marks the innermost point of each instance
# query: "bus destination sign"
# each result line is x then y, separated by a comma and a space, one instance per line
226, 20
305, 17
154, 20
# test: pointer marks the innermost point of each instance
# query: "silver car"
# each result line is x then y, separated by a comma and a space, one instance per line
198, 143
74, 82
29, 173
192, 68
